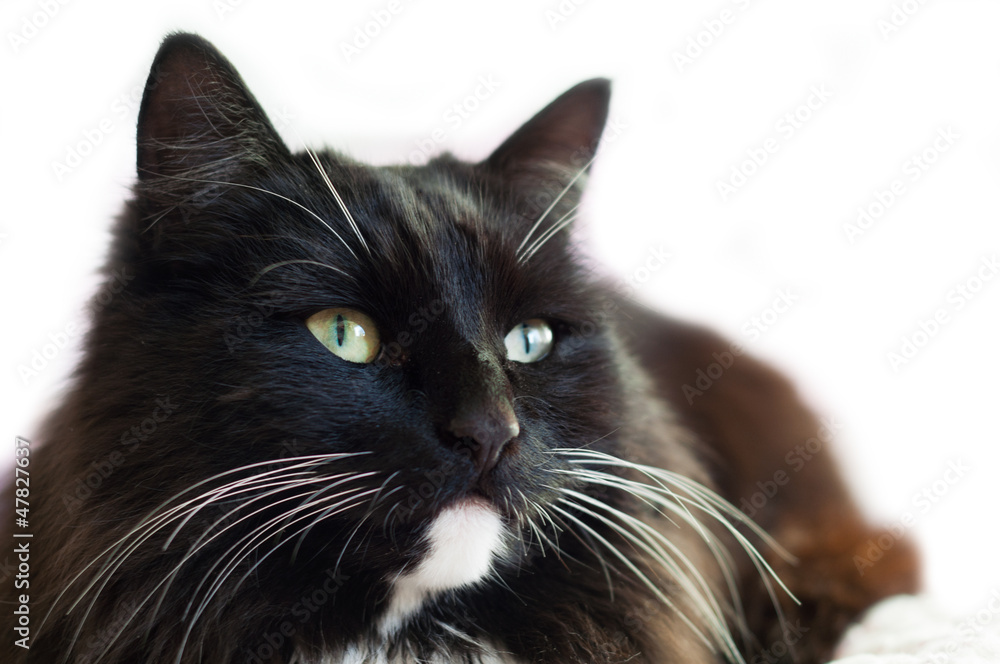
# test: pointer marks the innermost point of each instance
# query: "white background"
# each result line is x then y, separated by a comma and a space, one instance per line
684, 127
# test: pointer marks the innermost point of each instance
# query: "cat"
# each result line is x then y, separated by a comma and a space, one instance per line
333, 413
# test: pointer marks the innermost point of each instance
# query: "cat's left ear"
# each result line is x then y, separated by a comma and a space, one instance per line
561, 139
198, 123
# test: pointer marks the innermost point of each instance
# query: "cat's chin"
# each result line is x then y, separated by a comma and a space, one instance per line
463, 541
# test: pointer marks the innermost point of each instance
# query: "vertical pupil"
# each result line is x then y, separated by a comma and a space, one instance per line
527, 339
341, 329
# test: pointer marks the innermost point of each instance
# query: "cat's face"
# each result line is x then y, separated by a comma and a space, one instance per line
424, 336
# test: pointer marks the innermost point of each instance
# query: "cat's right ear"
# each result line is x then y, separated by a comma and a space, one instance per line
199, 126
562, 138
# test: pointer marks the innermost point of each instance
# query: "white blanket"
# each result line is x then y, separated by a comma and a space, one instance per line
914, 630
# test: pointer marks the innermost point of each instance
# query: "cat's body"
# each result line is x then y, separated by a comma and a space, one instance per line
219, 487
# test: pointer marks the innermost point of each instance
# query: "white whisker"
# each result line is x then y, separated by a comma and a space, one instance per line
562, 223
678, 495
158, 518
336, 195
270, 193
653, 542
182, 511
712, 504
367, 514
656, 590
199, 544
460, 634
554, 203
261, 534
300, 261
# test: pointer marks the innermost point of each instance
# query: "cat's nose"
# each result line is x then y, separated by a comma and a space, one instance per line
489, 425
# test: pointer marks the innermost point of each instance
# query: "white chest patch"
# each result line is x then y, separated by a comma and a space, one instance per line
358, 656
462, 543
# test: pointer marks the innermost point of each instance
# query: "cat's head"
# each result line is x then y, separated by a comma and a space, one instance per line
421, 318
378, 364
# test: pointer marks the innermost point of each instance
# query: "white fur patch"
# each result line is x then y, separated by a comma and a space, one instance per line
463, 541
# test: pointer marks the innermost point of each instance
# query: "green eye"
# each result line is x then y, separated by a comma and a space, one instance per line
348, 334
529, 341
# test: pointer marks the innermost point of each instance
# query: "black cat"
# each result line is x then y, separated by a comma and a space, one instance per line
341, 413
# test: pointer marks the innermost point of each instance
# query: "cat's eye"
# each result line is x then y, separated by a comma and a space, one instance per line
529, 341
348, 334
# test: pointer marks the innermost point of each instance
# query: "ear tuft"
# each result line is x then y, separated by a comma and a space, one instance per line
198, 120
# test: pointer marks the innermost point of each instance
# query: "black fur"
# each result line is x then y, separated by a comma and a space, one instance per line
202, 363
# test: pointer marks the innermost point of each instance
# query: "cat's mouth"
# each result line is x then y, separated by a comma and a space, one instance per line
481, 495
483, 491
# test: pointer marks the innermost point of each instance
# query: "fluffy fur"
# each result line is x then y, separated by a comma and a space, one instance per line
218, 487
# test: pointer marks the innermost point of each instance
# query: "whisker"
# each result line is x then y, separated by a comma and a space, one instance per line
301, 261
695, 496
367, 514
242, 555
641, 492
197, 546
270, 193
156, 520
336, 195
560, 224
262, 533
118, 559
553, 204
588, 544
635, 570
314, 497
707, 498
652, 542
717, 507
459, 634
